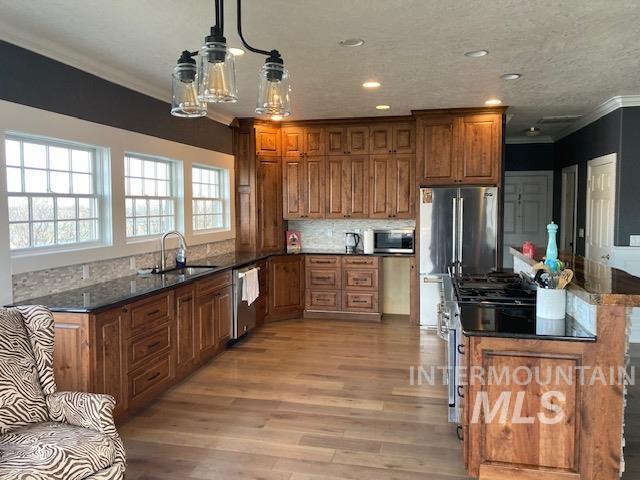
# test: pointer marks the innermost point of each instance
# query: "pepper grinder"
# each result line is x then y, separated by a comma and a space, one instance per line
552, 247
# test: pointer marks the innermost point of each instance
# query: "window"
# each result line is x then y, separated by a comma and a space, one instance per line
53, 193
150, 196
209, 198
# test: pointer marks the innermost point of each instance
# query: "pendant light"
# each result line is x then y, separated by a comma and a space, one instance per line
214, 80
184, 89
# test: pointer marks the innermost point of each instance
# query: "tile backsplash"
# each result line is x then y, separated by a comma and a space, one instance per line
330, 234
52, 280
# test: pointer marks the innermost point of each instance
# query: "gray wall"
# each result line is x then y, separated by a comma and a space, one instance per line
31, 79
628, 211
528, 156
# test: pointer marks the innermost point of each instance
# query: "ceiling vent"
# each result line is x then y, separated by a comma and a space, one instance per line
555, 119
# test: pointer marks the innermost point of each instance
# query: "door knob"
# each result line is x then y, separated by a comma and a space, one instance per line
606, 257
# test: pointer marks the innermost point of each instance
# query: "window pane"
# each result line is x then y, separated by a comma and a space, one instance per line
163, 189
59, 182
58, 158
87, 230
141, 226
154, 225
42, 208
87, 208
163, 171
35, 181
81, 161
149, 170
18, 209
19, 235
218, 221
141, 208
82, 183
35, 155
12, 151
135, 167
129, 207
66, 232
168, 223
196, 174
154, 207
130, 227
66, 208
43, 234
14, 180
149, 188
135, 187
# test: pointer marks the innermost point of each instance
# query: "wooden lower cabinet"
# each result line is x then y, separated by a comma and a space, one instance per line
134, 352
286, 286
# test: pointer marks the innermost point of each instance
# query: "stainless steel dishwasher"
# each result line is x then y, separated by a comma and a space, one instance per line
244, 315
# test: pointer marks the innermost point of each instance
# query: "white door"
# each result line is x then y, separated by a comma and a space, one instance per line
601, 194
528, 201
567, 241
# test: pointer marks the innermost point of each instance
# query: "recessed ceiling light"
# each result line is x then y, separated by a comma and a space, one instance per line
383, 107
351, 42
532, 132
493, 101
510, 76
371, 84
276, 118
236, 51
476, 53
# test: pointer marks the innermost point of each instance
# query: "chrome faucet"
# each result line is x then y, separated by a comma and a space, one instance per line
183, 245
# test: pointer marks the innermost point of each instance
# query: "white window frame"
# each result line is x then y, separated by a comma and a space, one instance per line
99, 174
223, 198
175, 195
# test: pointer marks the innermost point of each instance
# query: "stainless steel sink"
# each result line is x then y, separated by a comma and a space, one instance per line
188, 270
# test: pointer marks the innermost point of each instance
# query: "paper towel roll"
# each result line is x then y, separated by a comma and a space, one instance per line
367, 243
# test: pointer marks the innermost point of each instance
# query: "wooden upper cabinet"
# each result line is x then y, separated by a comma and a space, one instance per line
479, 153
404, 186
314, 144
336, 141
381, 138
381, 183
392, 188
270, 234
357, 186
267, 141
293, 141
336, 194
436, 149
293, 180
358, 140
314, 187
404, 138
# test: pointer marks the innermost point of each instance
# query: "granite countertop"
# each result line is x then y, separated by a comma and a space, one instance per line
518, 322
595, 282
102, 296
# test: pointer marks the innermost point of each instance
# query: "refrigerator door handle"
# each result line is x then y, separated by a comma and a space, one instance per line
460, 230
454, 238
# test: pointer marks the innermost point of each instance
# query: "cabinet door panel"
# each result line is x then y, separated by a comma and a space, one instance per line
224, 314
323, 278
361, 279
436, 151
267, 141
314, 186
293, 187
111, 365
185, 328
336, 141
292, 141
314, 143
381, 139
323, 300
206, 326
357, 181
270, 230
404, 138
381, 183
286, 286
404, 186
336, 196
358, 140
479, 153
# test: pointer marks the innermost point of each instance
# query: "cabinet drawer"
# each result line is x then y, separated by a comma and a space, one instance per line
213, 283
360, 302
327, 278
360, 261
151, 312
140, 349
321, 300
145, 379
323, 260
361, 279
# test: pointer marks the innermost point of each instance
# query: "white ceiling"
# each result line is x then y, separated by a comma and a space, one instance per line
573, 54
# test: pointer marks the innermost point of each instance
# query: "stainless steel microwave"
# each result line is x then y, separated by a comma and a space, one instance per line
394, 241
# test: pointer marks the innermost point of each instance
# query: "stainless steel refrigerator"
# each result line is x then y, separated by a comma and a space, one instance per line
458, 229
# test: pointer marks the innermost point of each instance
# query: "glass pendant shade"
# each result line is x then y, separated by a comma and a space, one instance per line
273, 90
216, 74
184, 99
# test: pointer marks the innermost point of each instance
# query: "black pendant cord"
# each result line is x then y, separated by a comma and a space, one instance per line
272, 53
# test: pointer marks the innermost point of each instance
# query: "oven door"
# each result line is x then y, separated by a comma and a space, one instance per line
452, 345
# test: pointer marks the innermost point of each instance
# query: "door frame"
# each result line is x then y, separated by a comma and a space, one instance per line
563, 206
596, 162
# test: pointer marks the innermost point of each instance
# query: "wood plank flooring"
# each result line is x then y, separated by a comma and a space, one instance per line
304, 400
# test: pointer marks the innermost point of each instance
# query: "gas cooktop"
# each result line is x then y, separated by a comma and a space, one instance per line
496, 288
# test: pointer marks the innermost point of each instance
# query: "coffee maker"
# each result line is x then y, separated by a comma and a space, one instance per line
351, 242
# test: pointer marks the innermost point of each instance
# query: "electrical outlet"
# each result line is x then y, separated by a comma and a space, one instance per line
581, 232
132, 263
634, 240
85, 272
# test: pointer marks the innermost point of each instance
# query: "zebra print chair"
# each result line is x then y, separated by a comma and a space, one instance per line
45, 434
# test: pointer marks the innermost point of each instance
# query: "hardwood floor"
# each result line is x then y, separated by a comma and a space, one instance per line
304, 400
632, 421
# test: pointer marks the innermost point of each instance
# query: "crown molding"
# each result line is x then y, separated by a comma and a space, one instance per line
600, 111
524, 139
82, 62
